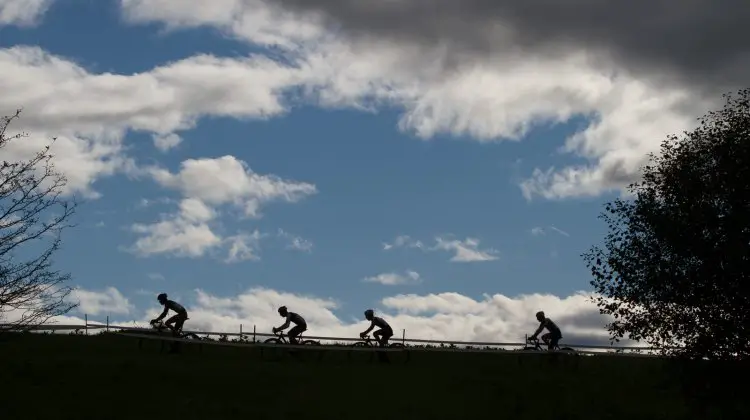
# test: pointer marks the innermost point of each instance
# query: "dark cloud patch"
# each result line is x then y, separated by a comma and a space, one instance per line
701, 42
587, 318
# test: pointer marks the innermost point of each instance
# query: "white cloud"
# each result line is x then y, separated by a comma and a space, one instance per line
539, 231
498, 96
403, 241
243, 247
560, 231
392, 279
156, 276
207, 184
488, 99
145, 202
62, 99
226, 180
165, 142
108, 301
22, 12
446, 316
257, 20
466, 250
184, 234
295, 242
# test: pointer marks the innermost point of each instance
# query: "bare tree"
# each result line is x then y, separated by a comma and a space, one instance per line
33, 214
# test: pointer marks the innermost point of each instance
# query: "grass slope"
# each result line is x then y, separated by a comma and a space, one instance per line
110, 377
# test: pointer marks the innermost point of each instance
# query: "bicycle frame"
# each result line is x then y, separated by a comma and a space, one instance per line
161, 326
535, 345
367, 340
284, 339
372, 341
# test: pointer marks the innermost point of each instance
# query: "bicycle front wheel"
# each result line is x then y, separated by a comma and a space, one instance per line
396, 345
360, 344
272, 341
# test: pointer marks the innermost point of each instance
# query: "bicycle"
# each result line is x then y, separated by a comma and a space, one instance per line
533, 344
159, 326
281, 338
370, 342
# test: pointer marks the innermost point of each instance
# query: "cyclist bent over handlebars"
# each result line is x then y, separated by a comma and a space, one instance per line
299, 324
383, 334
178, 319
552, 338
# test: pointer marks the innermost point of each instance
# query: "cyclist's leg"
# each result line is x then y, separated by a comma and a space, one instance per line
545, 338
294, 332
554, 341
180, 322
385, 335
378, 336
173, 319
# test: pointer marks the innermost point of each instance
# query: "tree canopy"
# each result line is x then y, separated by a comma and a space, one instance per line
673, 270
33, 214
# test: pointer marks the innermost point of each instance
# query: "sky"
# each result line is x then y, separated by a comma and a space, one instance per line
443, 166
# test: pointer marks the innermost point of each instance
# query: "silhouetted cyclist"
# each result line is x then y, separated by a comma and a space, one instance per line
383, 334
299, 324
178, 320
552, 338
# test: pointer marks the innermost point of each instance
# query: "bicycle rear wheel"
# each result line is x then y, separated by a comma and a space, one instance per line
396, 345
310, 343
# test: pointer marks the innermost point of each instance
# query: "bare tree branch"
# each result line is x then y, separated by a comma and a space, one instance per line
33, 214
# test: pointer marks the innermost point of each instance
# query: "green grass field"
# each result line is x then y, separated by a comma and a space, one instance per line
109, 377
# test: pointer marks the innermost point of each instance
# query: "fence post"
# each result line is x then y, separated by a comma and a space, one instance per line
253, 333
86, 322
403, 336
107, 323
240, 332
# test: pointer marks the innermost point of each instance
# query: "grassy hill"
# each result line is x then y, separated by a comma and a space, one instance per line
111, 377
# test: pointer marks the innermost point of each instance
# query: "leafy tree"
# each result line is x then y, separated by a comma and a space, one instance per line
675, 265
33, 214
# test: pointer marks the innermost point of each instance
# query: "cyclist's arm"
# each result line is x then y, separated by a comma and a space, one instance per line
163, 314
283, 327
538, 330
367, 331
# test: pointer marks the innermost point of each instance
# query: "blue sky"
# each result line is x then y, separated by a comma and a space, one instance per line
519, 159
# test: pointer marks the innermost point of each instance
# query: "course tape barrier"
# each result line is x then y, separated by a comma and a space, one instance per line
444, 345
259, 344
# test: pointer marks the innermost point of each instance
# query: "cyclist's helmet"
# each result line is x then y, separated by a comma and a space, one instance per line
540, 316
283, 311
162, 297
369, 314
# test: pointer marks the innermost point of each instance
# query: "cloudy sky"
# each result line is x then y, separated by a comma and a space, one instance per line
442, 164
